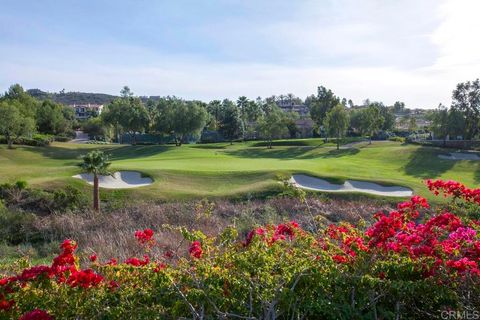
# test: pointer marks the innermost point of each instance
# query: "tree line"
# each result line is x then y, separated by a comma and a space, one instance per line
183, 120
260, 118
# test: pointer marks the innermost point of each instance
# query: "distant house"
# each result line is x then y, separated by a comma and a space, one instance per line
304, 124
305, 127
86, 111
291, 106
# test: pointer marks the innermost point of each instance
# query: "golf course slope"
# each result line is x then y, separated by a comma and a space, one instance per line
317, 184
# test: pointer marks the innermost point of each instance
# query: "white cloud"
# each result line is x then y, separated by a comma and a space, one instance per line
457, 35
414, 51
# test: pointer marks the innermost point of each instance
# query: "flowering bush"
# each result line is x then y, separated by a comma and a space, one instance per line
413, 263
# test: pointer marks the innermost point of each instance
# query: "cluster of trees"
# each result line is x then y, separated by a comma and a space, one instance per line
334, 116
463, 116
23, 115
249, 118
182, 119
170, 116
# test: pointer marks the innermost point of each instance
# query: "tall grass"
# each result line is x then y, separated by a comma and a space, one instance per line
109, 234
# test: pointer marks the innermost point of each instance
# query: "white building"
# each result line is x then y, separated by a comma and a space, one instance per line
85, 111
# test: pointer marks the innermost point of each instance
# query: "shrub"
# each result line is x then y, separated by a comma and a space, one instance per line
13, 193
16, 227
397, 139
407, 265
21, 184
69, 198
37, 140
62, 138
42, 201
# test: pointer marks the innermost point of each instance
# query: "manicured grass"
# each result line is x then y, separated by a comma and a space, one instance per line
218, 170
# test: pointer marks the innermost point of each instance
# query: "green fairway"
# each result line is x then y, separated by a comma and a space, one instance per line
218, 170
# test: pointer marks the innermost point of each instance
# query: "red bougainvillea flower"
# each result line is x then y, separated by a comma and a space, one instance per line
93, 257
340, 259
36, 314
69, 246
454, 189
348, 238
66, 257
259, 231
6, 281
444, 221
168, 254
159, 266
6, 304
286, 230
145, 237
113, 285
35, 272
84, 278
282, 231
463, 265
196, 250
138, 262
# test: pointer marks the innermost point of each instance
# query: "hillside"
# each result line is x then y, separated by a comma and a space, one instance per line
69, 98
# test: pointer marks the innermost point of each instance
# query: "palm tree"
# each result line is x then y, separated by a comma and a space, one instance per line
96, 163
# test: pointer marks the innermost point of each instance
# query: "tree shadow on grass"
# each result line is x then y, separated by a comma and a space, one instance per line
133, 152
339, 153
424, 163
208, 146
288, 143
290, 153
115, 152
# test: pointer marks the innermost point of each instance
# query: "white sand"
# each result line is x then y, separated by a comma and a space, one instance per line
316, 184
119, 180
460, 156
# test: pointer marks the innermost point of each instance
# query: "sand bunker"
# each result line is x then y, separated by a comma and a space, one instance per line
119, 180
316, 184
460, 156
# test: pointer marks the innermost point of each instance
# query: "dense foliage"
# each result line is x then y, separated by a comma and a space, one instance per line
336, 122
466, 100
407, 264
21, 116
179, 118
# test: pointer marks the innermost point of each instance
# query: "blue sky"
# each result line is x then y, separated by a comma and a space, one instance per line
409, 50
